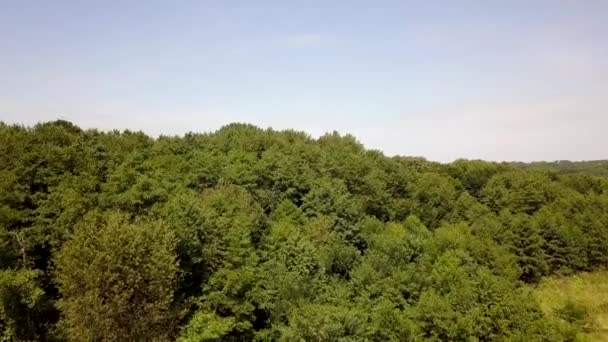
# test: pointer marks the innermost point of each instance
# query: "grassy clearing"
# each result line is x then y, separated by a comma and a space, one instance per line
581, 299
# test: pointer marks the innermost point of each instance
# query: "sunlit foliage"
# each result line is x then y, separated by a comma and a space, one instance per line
250, 234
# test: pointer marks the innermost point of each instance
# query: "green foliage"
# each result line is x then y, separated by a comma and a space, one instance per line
21, 299
592, 167
325, 323
519, 192
433, 196
117, 279
206, 326
574, 313
564, 242
255, 234
524, 238
473, 174
577, 302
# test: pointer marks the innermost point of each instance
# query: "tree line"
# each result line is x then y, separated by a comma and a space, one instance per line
250, 234
592, 167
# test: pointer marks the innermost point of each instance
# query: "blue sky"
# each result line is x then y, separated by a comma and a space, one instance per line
497, 80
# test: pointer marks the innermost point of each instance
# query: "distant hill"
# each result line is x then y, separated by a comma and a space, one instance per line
592, 167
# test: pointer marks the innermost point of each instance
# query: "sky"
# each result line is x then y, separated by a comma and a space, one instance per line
495, 80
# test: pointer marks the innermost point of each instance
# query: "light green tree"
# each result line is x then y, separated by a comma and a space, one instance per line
117, 280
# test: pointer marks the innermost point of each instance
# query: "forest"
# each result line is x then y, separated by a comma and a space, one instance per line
251, 234
592, 167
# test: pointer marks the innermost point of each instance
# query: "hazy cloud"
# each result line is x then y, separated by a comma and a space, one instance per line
308, 40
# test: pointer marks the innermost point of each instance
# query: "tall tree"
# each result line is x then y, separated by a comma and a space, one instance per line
117, 280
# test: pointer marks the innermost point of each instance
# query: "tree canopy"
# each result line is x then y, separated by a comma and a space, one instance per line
250, 234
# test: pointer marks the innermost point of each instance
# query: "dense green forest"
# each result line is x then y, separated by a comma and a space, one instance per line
592, 167
250, 234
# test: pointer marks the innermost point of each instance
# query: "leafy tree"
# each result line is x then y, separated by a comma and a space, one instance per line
473, 174
519, 192
117, 280
433, 196
21, 306
329, 197
522, 235
564, 242
221, 241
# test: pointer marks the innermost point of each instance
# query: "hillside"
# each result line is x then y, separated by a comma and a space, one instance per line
592, 168
249, 234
